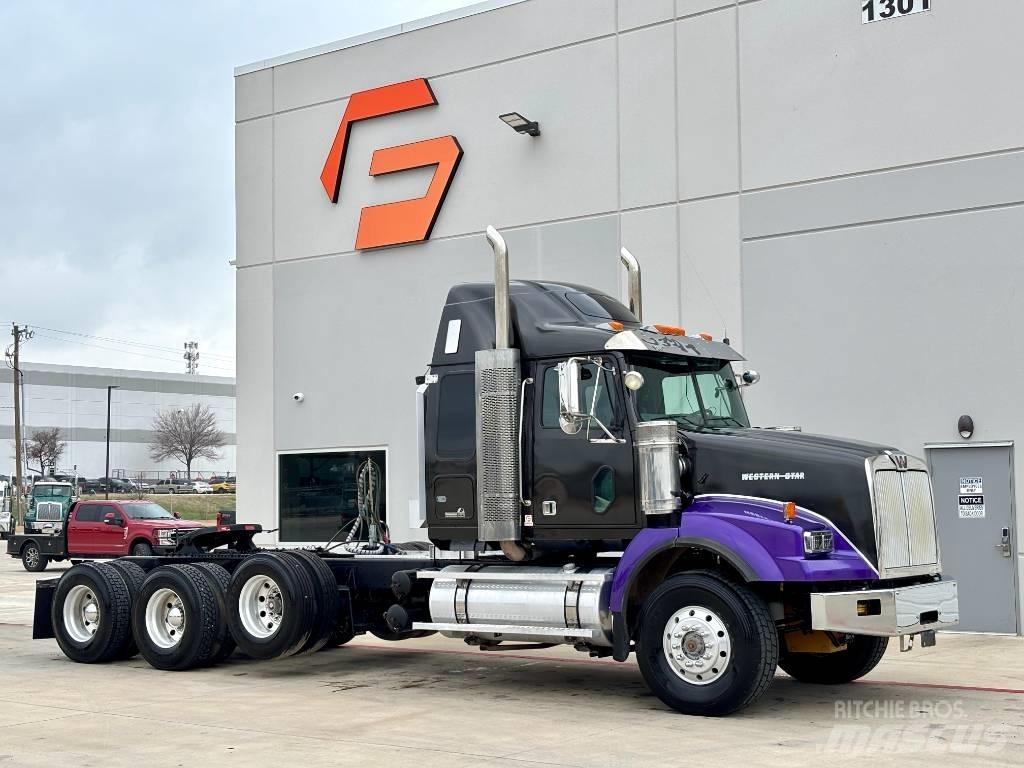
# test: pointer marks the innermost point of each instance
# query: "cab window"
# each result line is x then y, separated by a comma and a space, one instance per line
591, 375
89, 513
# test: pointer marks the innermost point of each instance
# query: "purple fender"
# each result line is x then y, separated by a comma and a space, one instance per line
752, 536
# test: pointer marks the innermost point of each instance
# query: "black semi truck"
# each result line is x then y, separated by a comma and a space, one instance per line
592, 480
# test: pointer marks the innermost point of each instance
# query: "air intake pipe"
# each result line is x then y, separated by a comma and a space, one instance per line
497, 442
635, 292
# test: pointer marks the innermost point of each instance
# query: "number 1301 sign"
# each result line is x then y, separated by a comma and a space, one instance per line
878, 10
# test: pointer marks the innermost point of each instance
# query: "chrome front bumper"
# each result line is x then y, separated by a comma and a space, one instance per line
887, 612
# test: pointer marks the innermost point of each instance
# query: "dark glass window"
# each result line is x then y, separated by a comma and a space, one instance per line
89, 513
600, 307
456, 428
318, 493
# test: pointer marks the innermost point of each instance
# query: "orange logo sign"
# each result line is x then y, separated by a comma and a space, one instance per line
406, 221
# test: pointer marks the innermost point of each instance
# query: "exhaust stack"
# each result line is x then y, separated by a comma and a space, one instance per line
635, 292
499, 515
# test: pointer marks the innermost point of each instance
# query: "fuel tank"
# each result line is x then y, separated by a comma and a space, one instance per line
824, 474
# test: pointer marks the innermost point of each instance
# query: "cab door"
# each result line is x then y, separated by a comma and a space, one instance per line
582, 484
84, 531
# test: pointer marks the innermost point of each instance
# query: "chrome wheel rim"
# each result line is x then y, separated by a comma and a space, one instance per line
261, 606
31, 557
165, 618
697, 645
81, 613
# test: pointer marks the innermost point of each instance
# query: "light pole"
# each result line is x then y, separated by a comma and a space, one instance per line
106, 476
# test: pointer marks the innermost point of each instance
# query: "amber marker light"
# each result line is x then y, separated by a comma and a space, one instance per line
706, 336
615, 325
670, 330
789, 511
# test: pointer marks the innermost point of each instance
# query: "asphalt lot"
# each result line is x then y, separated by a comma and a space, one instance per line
435, 702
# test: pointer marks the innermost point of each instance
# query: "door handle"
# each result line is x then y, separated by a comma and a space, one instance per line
1004, 542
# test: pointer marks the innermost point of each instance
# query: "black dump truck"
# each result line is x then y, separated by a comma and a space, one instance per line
592, 480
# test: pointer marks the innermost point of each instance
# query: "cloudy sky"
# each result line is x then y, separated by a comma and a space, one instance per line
116, 137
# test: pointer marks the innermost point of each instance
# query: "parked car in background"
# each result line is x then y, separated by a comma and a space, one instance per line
225, 485
201, 486
109, 485
48, 505
173, 485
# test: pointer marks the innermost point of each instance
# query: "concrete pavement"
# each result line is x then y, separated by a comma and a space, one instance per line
436, 702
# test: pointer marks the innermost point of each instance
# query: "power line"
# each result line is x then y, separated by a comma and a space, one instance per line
129, 342
122, 351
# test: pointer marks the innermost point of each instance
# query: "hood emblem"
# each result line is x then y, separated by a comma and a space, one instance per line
900, 460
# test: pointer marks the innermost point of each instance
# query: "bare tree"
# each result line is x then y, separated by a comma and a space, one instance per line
45, 446
186, 435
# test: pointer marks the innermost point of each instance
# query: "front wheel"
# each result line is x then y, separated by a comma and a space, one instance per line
706, 646
142, 549
862, 654
32, 559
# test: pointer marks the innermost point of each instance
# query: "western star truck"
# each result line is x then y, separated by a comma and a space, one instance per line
590, 480
48, 506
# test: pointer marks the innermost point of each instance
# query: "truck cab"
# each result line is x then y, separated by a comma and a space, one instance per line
48, 506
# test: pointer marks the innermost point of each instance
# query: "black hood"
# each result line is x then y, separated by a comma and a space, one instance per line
824, 474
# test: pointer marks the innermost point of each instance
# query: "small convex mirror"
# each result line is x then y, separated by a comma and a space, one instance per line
633, 380
750, 377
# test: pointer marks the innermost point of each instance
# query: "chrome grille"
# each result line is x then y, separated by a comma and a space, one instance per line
497, 449
904, 518
49, 512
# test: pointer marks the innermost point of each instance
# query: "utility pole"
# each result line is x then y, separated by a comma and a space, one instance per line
106, 477
191, 357
14, 362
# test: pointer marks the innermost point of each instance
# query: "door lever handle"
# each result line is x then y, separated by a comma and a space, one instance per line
1004, 542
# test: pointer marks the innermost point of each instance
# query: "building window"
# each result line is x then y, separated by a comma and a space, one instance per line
318, 493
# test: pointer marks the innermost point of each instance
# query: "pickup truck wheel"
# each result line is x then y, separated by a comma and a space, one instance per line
32, 559
133, 577
176, 618
706, 646
220, 581
142, 549
862, 654
272, 606
327, 602
91, 613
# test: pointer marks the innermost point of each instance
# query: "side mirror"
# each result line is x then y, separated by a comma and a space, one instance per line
750, 377
570, 419
110, 518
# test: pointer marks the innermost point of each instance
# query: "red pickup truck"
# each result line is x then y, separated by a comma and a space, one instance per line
101, 529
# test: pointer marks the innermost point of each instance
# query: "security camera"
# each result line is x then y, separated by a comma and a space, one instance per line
298, 397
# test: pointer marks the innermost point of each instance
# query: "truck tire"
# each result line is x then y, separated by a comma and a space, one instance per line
862, 654
327, 602
32, 559
176, 619
705, 645
91, 613
133, 577
271, 606
220, 580
142, 549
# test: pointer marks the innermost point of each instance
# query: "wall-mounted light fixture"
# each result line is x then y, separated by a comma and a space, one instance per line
965, 426
520, 124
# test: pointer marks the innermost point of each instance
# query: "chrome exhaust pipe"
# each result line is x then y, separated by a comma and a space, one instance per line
501, 306
635, 292
499, 482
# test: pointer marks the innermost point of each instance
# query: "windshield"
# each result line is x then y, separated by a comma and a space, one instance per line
51, 492
147, 511
695, 393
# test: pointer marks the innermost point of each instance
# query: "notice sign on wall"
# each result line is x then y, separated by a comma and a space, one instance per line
880, 10
971, 499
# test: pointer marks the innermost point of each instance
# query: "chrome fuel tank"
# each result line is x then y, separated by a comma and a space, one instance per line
522, 603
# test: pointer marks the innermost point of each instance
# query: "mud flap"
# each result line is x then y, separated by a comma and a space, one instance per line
42, 624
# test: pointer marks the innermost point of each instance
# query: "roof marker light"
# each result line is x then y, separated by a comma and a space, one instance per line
670, 330
705, 336
615, 325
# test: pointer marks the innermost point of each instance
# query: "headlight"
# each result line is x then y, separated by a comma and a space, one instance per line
817, 542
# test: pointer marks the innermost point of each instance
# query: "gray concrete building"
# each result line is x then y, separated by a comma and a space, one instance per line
836, 186
74, 398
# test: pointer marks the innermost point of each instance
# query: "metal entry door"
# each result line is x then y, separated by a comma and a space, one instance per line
974, 508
